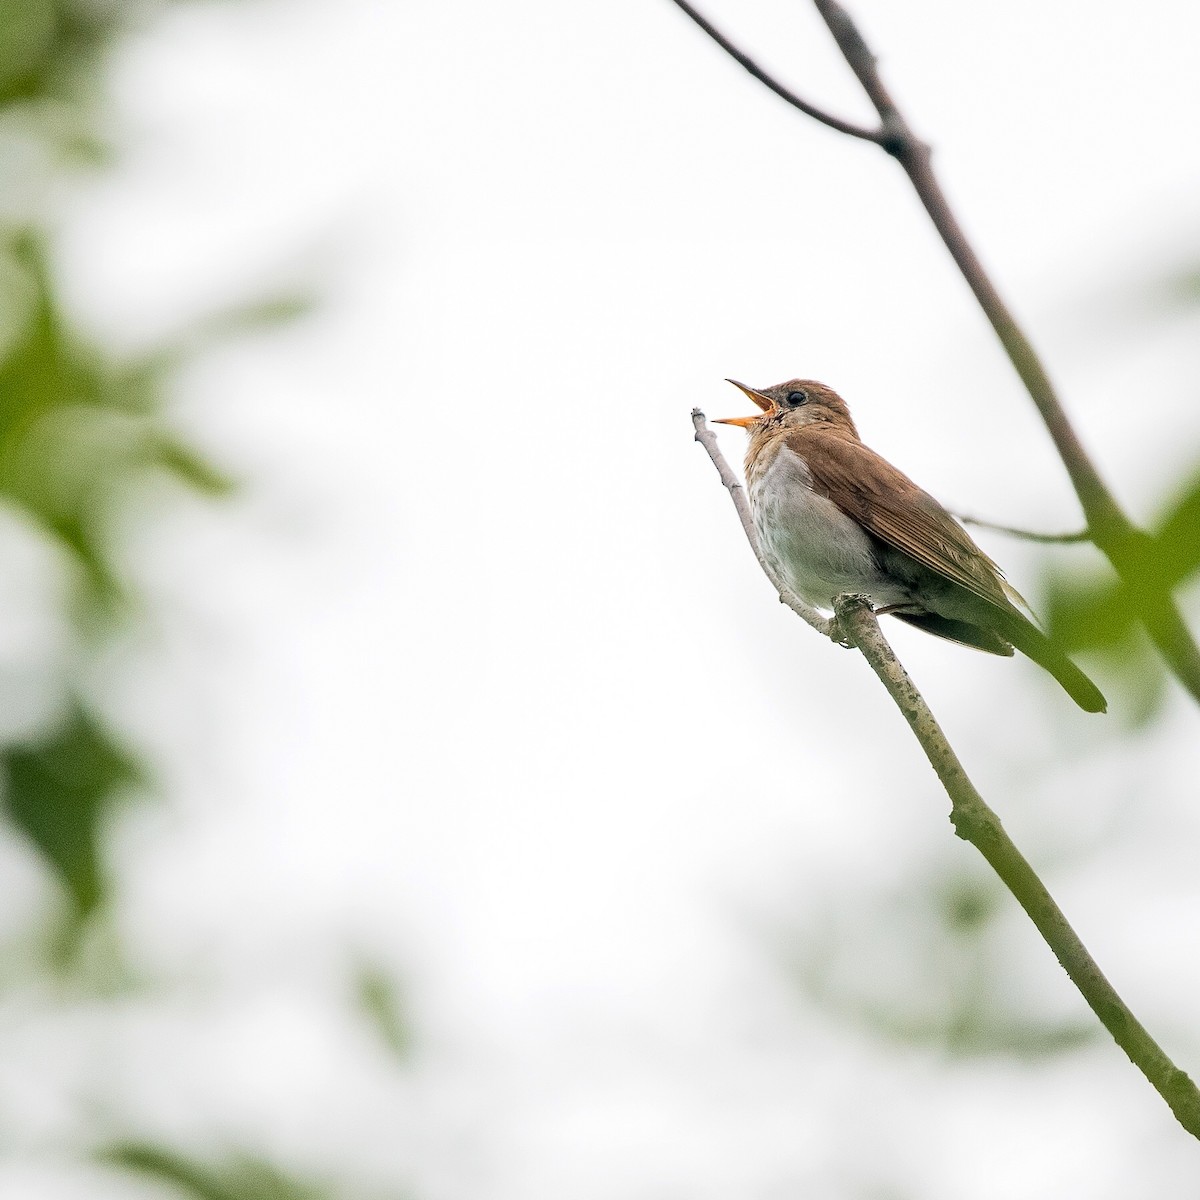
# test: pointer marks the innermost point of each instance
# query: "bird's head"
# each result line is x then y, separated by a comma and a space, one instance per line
792, 405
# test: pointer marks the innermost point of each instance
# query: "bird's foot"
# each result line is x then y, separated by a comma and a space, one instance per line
844, 605
838, 634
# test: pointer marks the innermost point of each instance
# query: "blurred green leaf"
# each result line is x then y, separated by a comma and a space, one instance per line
240, 1177
187, 466
138, 387
1094, 612
1178, 537
382, 1001
78, 429
967, 905
42, 368
1087, 611
75, 429
81, 426
28, 32
59, 791
267, 313
52, 48
944, 990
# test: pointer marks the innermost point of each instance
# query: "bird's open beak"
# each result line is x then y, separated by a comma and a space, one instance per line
758, 399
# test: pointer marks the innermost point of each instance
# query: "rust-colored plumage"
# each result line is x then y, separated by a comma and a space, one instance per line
833, 516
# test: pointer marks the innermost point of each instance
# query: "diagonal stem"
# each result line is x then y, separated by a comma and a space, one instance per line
976, 823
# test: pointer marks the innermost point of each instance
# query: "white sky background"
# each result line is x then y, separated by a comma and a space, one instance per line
479, 678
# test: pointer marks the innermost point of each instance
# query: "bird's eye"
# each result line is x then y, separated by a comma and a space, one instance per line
795, 399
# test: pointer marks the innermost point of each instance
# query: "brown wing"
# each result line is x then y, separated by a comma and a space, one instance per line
889, 505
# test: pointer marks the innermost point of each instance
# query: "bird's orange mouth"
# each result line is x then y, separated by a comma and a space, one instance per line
758, 399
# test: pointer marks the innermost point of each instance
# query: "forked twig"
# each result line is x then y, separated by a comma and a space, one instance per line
784, 93
1129, 548
975, 822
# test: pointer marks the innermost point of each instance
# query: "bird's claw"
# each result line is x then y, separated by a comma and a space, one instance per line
845, 604
838, 634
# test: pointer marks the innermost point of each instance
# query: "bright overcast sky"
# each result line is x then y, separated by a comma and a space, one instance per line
479, 676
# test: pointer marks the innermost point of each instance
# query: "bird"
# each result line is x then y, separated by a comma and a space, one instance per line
833, 517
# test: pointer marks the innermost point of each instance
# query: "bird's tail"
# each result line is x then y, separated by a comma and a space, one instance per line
1030, 640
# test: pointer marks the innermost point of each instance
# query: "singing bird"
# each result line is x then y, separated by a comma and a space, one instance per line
834, 517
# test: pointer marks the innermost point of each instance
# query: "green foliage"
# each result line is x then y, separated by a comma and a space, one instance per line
267, 313
82, 430
78, 432
1177, 539
382, 1002
1095, 612
947, 991
42, 44
73, 434
58, 792
236, 1176
52, 50
1092, 612
239, 1177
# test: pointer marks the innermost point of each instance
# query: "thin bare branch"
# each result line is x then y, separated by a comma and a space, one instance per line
1127, 547
817, 114
737, 493
975, 822
1029, 535
914, 156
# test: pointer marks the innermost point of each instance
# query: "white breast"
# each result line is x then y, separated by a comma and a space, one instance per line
818, 551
